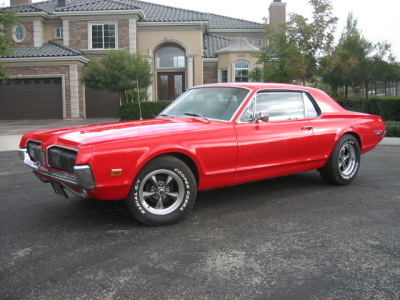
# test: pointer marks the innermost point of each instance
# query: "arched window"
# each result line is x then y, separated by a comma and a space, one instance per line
242, 69
170, 57
18, 33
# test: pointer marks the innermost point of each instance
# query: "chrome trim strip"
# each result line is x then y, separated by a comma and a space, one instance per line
68, 179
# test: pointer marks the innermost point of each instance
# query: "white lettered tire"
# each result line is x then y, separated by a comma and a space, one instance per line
163, 192
344, 162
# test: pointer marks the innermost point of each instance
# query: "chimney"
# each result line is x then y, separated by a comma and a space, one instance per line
19, 2
277, 13
63, 3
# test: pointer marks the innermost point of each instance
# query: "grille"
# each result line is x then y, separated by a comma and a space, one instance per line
62, 159
35, 152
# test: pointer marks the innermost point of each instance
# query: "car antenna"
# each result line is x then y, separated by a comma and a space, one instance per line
138, 94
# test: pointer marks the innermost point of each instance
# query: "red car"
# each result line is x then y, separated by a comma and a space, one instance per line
212, 136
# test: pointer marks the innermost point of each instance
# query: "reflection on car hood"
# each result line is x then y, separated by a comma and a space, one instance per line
93, 134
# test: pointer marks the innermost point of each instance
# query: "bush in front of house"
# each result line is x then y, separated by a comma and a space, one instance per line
150, 109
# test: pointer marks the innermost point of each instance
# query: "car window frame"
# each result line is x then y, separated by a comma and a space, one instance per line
252, 102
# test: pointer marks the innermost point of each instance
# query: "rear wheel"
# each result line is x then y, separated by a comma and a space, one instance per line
344, 162
163, 192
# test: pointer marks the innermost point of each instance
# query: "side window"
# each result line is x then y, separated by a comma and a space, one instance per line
281, 106
310, 110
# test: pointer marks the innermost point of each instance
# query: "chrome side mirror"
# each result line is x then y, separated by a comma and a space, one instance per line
262, 117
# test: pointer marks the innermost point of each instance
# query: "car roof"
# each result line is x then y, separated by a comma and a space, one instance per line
325, 102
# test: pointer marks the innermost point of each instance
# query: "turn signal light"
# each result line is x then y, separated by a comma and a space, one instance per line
116, 172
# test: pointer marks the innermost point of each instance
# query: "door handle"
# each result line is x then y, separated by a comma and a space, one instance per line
306, 127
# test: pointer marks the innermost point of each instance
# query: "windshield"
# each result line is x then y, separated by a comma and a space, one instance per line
220, 103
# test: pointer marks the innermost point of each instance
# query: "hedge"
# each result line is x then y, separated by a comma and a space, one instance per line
386, 107
392, 128
150, 109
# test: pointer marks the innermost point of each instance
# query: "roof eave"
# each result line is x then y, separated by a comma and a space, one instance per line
36, 14
214, 30
235, 51
138, 12
13, 60
144, 23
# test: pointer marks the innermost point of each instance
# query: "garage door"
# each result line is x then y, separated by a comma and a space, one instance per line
24, 99
101, 104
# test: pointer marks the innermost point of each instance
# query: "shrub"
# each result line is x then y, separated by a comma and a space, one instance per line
386, 107
393, 129
150, 109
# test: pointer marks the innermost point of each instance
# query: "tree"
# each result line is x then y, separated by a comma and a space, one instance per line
348, 55
7, 18
282, 61
118, 72
298, 47
359, 62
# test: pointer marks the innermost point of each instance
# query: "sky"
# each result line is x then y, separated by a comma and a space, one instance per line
378, 20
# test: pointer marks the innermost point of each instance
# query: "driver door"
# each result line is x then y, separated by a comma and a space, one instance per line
281, 141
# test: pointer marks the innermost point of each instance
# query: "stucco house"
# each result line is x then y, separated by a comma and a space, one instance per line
55, 39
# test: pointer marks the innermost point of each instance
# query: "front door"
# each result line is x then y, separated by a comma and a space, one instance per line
170, 85
282, 143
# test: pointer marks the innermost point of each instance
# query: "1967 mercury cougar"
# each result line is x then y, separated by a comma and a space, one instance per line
211, 136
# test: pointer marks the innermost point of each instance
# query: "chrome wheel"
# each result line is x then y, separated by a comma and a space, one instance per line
344, 162
347, 159
161, 192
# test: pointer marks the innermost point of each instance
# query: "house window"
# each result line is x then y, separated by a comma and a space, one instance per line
242, 69
170, 57
223, 75
103, 36
58, 32
18, 33
257, 43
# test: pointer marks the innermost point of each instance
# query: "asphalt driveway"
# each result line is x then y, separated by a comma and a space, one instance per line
294, 237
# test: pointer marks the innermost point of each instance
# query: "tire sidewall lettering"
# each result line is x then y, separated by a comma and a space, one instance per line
186, 183
184, 204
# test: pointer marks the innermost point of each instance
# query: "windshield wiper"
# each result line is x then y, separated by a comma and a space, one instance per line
165, 115
196, 115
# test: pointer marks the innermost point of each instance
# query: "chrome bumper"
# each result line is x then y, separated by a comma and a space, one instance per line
83, 178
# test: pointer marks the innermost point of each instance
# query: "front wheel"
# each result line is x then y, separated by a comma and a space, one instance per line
163, 192
344, 162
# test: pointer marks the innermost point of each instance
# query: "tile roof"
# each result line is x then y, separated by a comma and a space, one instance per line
163, 13
97, 5
212, 43
50, 49
222, 22
153, 12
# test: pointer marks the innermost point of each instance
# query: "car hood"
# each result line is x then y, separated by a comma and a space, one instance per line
93, 134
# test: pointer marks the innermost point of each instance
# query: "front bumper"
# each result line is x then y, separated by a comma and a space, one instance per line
81, 179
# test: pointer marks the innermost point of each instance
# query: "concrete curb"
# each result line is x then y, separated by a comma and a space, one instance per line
9, 142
